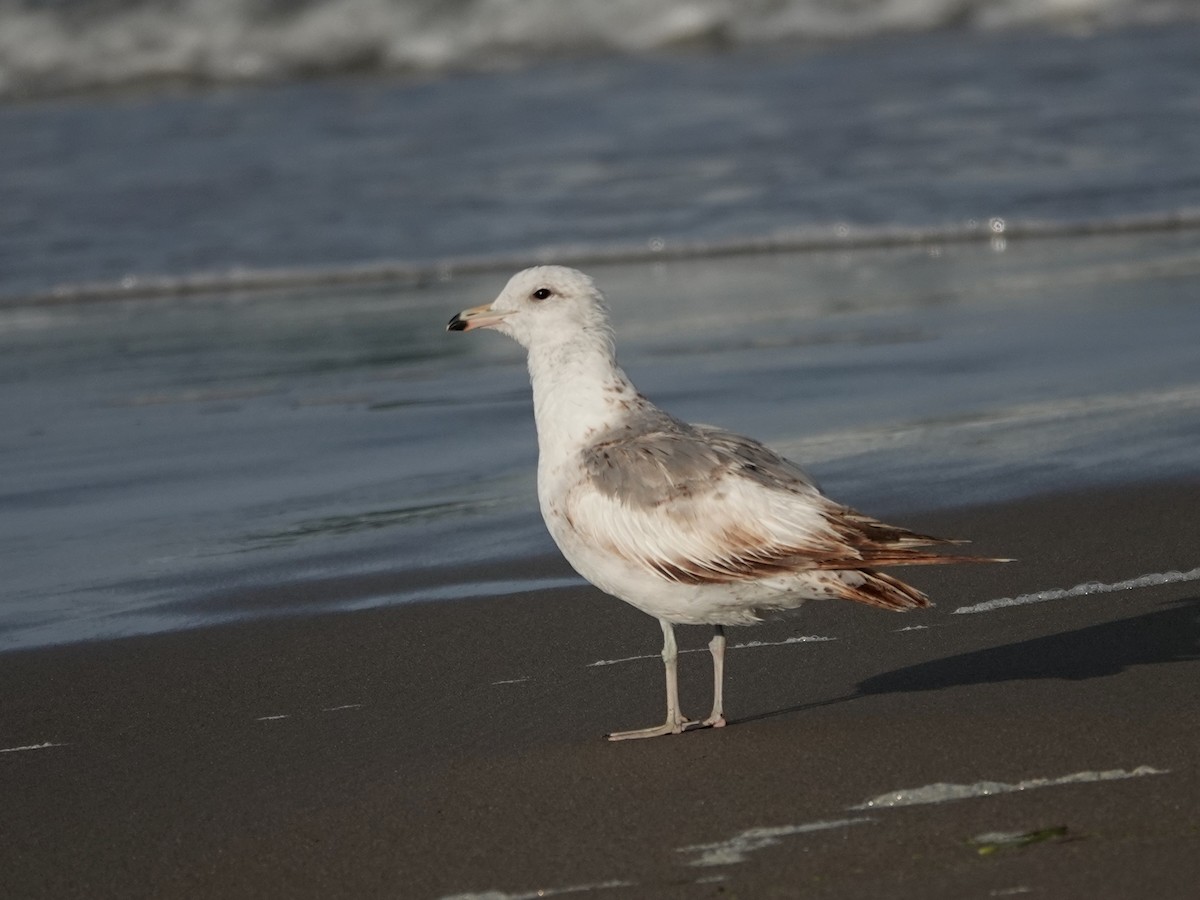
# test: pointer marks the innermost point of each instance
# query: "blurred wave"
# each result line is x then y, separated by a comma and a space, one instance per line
996, 231
56, 46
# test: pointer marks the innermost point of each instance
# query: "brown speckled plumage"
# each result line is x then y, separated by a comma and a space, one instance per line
689, 523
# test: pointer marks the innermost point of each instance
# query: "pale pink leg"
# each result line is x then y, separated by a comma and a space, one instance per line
676, 721
716, 719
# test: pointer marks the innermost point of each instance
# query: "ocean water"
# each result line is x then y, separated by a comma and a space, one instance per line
54, 46
996, 295
940, 129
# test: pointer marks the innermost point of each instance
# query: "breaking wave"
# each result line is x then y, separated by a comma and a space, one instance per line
56, 46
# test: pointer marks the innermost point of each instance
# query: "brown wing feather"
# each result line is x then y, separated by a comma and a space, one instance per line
655, 461
875, 543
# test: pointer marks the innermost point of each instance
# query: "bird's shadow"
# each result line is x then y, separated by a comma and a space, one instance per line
1167, 635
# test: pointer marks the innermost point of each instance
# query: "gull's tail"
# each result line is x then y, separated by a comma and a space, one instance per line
876, 589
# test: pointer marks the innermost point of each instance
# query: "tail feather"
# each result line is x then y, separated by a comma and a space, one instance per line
878, 590
868, 543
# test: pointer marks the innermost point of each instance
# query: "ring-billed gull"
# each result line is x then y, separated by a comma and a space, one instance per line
689, 523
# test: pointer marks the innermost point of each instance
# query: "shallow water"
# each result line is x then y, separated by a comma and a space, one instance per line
180, 459
187, 461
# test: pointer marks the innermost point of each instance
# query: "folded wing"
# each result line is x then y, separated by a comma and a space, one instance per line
698, 505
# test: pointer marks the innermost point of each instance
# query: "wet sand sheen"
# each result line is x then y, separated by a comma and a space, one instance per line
449, 748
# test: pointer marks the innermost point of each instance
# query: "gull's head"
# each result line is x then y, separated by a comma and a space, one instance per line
544, 304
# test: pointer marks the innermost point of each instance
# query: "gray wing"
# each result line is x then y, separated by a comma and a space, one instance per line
698, 504
657, 459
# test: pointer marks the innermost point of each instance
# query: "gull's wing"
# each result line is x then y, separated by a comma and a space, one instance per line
698, 505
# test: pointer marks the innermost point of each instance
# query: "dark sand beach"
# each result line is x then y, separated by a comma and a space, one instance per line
432, 750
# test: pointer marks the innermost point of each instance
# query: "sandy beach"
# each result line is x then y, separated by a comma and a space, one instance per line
446, 749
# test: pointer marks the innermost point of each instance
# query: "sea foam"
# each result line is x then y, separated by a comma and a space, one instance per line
79, 46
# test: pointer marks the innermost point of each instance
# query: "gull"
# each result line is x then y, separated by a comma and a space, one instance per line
690, 524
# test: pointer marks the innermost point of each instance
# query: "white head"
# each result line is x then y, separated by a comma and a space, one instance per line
542, 306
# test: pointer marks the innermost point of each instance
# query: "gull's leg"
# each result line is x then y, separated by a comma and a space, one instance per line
676, 721
716, 719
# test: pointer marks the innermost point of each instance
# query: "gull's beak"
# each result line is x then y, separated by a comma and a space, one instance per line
476, 317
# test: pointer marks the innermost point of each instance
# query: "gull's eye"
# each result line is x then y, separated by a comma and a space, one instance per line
542, 293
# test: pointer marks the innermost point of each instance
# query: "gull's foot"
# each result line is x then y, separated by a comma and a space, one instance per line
667, 727
717, 721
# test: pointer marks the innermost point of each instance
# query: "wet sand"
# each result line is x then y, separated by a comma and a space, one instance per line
438, 749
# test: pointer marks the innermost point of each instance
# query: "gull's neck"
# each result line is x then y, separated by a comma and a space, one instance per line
579, 392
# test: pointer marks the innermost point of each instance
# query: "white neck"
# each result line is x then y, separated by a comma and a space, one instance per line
578, 390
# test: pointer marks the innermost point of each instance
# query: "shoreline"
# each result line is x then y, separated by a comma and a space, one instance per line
346, 588
412, 274
443, 749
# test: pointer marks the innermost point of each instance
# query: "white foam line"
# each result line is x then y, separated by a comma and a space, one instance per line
623, 659
943, 792
816, 238
738, 847
544, 892
270, 718
30, 747
802, 639
749, 645
512, 680
1082, 590
343, 706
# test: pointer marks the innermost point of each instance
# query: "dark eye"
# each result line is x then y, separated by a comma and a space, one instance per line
541, 293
